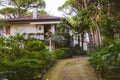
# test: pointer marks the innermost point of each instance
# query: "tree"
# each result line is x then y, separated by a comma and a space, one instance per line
22, 6
8, 12
40, 12
12, 12
109, 18
84, 10
94, 17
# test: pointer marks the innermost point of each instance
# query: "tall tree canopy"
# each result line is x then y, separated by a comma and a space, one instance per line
95, 16
85, 11
21, 6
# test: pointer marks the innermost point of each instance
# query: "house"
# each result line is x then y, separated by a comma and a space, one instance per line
36, 27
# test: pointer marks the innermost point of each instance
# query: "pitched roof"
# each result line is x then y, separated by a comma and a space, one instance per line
39, 18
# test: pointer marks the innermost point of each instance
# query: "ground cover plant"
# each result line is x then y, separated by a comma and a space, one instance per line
106, 60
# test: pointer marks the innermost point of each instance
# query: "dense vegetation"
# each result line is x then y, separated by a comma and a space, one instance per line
106, 60
98, 18
22, 59
26, 59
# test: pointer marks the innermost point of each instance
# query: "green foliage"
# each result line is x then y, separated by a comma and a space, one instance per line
107, 60
20, 7
22, 59
67, 6
34, 46
103, 16
9, 12
109, 26
77, 51
26, 3
62, 40
40, 12
62, 53
2, 23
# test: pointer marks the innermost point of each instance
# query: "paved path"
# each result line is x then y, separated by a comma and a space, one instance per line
71, 69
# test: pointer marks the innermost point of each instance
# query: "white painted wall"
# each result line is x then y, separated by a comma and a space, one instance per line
21, 28
86, 41
30, 28
40, 30
85, 47
27, 28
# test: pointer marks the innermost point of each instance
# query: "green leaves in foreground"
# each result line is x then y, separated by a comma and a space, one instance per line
107, 59
22, 59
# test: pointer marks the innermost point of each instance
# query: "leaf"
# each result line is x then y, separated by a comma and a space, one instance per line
110, 41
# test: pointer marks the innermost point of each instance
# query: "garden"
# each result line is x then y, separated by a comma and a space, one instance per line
29, 59
26, 59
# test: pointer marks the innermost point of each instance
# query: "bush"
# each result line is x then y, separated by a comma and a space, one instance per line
62, 53
34, 45
23, 60
77, 51
107, 60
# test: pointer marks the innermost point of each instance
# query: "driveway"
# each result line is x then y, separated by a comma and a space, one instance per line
71, 69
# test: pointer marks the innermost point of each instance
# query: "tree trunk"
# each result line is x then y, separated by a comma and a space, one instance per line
99, 36
93, 38
79, 40
82, 39
90, 40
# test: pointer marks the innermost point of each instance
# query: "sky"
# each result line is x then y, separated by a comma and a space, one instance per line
52, 7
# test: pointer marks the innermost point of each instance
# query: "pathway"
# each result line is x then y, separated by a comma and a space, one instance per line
71, 69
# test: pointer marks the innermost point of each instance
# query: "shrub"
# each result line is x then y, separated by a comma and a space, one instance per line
77, 51
62, 53
107, 60
23, 63
34, 45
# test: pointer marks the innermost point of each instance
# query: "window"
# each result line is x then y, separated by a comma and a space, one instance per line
39, 28
8, 30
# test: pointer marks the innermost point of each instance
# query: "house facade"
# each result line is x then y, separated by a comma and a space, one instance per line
35, 25
36, 28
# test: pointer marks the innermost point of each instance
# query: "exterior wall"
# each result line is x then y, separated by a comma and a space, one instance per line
28, 29
86, 41
40, 30
22, 28
37, 30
